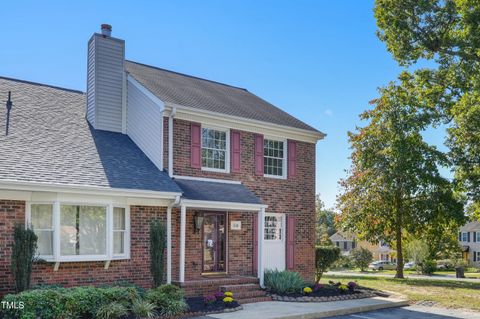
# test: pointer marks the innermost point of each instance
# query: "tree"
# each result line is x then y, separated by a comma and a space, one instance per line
325, 256
157, 250
445, 32
23, 256
325, 226
361, 257
394, 186
417, 251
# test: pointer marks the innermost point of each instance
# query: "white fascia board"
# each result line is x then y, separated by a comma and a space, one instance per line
228, 206
235, 122
12, 185
147, 92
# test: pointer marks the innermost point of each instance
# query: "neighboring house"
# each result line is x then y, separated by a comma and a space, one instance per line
469, 240
345, 241
380, 251
231, 175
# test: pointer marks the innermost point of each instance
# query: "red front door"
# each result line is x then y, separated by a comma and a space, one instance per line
214, 246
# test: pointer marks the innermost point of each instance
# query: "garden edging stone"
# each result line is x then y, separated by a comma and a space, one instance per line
360, 295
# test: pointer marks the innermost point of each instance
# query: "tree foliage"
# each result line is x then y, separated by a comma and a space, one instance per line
157, 250
325, 226
23, 256
361, 257
325, 256
447, 33
394, 186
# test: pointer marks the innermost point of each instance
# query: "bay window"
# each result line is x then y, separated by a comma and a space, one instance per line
71, 232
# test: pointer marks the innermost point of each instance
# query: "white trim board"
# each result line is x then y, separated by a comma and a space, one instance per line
205, 179
239, 123
227, 206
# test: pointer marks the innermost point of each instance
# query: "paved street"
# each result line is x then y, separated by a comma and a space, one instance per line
412, 312
379, 274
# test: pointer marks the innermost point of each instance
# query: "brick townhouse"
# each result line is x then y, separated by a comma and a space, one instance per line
231, 176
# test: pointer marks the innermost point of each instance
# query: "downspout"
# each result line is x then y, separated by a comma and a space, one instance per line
170, 141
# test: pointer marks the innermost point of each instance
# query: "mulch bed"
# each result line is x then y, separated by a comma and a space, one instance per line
326, 293
197, 306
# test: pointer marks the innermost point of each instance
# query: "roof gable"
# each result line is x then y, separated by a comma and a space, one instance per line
194, 92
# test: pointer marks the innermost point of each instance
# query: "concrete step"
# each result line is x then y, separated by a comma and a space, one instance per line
249, 294
241, 287
254, 299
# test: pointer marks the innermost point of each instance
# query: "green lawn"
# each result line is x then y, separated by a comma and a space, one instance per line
447, 293
413, 272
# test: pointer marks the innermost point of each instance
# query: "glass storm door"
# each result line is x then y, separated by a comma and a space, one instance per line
214, 242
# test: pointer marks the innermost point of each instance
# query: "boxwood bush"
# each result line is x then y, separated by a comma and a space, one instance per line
67, 302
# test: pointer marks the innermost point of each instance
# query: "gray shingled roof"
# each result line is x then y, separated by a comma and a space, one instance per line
51, 141
185, 90
217, 192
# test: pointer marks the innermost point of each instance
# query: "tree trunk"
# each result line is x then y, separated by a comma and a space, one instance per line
399, 273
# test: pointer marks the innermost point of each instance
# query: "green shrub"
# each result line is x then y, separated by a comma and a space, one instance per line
361, 257
67, 302
283, 282
172, 308
112, 310
168, 298
23, 256
143, 309
343, 262
325, 256
157, 249
428, 267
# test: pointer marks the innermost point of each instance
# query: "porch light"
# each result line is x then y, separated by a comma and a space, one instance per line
197, 222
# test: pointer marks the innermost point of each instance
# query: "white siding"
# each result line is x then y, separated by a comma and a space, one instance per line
145, 124
106, 58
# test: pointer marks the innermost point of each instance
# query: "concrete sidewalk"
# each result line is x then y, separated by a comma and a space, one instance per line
309, 310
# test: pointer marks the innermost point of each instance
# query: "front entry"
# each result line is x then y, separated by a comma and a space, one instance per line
214, 243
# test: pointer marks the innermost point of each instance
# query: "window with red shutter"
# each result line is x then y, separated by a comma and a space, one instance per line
195, 145
259, 155
292, 159
290, 245
235, 146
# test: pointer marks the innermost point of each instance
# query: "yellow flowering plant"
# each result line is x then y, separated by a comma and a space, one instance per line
227, 299
228, 294
307, 290
343, 288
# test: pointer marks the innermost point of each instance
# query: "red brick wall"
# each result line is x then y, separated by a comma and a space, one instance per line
294, 196
135, 270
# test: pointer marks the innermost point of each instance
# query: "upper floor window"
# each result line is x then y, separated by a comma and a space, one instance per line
465, 237
345, 245
274, 162
215, 150
68, 232
478, 236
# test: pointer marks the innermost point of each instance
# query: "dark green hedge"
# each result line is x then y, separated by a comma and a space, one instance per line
325, 256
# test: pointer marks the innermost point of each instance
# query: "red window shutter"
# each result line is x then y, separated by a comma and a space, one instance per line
195, 145
290, 253
292, 159
258, 154
235, 151
255, 244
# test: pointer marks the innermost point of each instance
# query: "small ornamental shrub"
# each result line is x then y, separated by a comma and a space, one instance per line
428, 267
361, 257
23, 256
307, 290
219, 295
227, 299
325, 256
317, 287
343, 288
157, 249
172, 308
168, 298
283, 282
209, 299
228, 294
112, 310
143, 309
352, 285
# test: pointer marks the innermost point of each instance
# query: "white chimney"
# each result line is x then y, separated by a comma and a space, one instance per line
106, 82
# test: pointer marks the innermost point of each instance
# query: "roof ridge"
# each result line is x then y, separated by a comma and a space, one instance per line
187, 75
41, 84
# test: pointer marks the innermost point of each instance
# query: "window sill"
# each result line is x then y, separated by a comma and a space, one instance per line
83, 259
216, 170
274, 176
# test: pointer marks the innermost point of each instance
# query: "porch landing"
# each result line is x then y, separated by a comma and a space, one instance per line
245, 289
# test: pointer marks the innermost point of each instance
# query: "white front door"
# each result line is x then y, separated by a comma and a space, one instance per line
274, 241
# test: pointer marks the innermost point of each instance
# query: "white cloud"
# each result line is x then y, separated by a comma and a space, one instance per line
328, 112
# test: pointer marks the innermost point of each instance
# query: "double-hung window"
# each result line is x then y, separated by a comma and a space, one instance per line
215, 150
80, 232
478, 236
274, 158
465, 237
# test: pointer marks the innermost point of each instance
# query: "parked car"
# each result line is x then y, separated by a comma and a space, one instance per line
382, 264
409, 265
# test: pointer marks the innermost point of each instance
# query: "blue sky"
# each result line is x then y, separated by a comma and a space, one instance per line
318, 60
